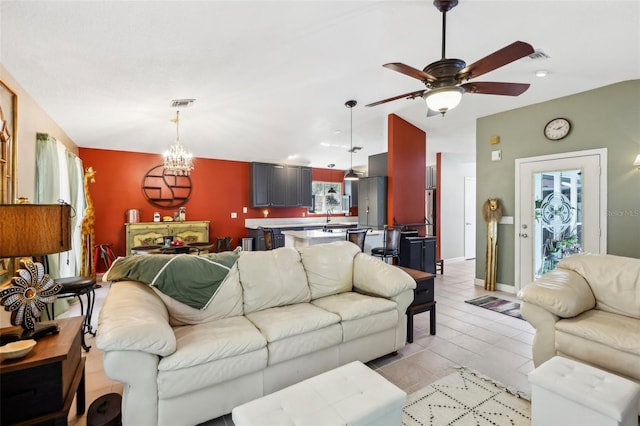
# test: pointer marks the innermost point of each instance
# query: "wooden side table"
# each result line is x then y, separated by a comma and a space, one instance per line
423, 300
40, 387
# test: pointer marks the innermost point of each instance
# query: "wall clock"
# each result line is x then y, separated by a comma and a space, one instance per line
557, 129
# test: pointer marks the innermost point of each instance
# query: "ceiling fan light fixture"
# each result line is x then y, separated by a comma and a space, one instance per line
443, 99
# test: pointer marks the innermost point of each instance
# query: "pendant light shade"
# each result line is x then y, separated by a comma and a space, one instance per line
351, 174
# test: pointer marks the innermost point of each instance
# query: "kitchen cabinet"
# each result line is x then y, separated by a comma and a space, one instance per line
258, 239
275, 185
372, 202
418, 253
151, 233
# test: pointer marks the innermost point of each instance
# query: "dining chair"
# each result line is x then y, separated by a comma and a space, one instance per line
357, 236
390, 244
268, 238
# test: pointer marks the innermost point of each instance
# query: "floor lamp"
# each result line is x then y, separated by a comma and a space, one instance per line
27, 231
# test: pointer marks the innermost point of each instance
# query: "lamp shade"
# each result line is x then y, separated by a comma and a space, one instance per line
34, 229
445, 98
350, 175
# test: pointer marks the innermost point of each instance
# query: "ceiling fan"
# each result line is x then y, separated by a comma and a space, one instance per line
444, 78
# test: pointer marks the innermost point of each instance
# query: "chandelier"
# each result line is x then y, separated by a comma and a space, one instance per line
177, 161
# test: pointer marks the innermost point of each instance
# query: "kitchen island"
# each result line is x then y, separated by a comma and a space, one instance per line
318, 236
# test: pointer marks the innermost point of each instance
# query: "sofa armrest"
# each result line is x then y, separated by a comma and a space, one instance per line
373, 276
134, 318
562, 292
544, 342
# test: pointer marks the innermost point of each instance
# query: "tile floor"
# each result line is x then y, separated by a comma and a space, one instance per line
496, 345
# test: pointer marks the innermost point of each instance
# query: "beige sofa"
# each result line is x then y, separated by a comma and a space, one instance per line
279, 317
588, 309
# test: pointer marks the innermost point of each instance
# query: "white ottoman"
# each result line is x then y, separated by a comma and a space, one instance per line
349, 395
566, 392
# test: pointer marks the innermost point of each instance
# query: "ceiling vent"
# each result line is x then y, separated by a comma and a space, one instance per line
181, 103
538, 54
354, 149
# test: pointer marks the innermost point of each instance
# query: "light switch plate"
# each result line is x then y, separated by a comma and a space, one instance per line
244, 210
506, 220
496, 155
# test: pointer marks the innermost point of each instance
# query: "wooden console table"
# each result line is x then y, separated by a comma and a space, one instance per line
423, 300
40, 387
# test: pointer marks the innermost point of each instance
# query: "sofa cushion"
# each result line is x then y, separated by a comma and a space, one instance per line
614, 280
602, 339
223, 338
226, 302
286, 321
618, 331
351, 305
180, 382
272, 278
361, 315
329, 267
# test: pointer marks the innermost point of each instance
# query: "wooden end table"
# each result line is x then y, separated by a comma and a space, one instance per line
40, 387
423, 300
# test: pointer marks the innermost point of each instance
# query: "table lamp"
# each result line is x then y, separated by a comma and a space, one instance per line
26, 231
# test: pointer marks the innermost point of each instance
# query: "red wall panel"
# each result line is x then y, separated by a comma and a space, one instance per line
219, 188
406, 169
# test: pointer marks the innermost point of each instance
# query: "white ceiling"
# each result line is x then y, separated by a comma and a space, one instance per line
270, 78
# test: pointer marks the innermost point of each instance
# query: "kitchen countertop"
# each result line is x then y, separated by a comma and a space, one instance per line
336, 221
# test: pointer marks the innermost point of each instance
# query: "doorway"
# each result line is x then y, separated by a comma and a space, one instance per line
469, 218
560, 210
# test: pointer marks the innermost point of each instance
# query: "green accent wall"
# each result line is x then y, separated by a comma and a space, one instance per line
607, 117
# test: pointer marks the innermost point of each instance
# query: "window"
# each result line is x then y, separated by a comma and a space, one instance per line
324, 201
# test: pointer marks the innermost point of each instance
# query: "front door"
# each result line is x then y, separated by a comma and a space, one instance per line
561, 210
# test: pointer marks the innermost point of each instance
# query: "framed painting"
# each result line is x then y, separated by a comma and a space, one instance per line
8, 159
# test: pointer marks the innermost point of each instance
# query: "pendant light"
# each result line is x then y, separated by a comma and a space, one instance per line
351, 175
177, 160
332, 189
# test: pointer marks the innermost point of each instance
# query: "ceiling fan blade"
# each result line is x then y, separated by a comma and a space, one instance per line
497, 59
410, 71
493, 88
411, 95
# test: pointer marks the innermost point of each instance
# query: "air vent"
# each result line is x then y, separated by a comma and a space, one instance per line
539, 54
354, 149
181, 103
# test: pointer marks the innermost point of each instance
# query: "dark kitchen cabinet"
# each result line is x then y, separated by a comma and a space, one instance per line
351, 189
418, 253
275, 185
258, 238
372, 202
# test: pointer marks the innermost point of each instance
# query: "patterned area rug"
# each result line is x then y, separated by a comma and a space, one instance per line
466, 398
496, 304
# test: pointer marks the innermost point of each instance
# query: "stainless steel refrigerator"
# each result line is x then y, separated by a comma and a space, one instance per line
430, 211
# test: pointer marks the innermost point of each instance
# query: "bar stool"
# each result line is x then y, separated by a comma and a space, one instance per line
77, 287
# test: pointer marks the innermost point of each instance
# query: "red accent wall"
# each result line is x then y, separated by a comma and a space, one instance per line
219, 188
406, 170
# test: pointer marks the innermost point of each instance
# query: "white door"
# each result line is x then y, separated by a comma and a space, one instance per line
560, 210
469, 218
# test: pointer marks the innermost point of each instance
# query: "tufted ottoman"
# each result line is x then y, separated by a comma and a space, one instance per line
349, 395
566, 392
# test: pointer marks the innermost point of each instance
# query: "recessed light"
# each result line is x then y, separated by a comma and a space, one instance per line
541, 73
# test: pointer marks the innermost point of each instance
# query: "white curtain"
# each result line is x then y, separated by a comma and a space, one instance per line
59, 178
